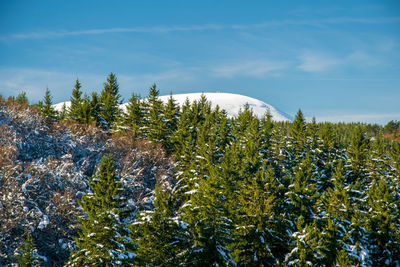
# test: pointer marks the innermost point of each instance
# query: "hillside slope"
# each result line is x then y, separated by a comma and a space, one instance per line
44, 171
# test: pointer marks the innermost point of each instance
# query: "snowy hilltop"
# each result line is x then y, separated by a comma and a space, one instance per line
231, 103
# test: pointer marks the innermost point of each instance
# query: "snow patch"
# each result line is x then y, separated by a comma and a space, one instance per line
44, 222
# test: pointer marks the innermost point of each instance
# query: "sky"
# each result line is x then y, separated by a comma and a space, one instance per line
334, 60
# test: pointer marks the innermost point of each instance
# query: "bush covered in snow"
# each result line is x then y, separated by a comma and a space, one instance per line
44, 170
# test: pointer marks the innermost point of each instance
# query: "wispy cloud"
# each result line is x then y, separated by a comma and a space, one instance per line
191, 28
314, 62
56, 34
320, 62
256, 68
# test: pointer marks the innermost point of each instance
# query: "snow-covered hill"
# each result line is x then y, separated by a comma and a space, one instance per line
231, 103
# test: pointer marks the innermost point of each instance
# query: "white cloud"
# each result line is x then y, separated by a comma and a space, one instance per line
255, 68
320, 62
315, 62
190, 28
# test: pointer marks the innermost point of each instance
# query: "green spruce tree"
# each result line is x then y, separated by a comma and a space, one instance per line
63, 113
261, 239
28, 256
298, 133
104, 239
383, 223
154, 123
46, 108
171, 118
22, 98
75, 110
95, 108
133, 117
159, 235
109, 101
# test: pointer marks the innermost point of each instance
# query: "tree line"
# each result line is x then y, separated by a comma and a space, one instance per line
249, 191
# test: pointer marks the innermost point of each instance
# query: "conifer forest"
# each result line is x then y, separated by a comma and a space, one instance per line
166, 185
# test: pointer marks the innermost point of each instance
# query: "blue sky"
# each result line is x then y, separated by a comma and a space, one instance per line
335, 60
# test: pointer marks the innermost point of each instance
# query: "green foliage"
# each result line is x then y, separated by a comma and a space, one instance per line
249, 190
109, 101
76, 111
158, 236
171, 119
185, 137
209, 226
22, 98
63, 113
260, 235
298, 130
391, 127
103, 238
28, 256
133, 118
383, 223
154, 124
46, 108
357, 153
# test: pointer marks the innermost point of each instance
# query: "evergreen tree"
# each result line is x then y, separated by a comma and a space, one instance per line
298, 133
304, 252
261, 238
357, 154
184, 137
85, 111
133, 118
158, 234
63, 113
103, 239
267, 127
395, 157
171, 118
22, 98
46, 109
244, 119
335, 208
209, 226
28, 256
109, 101
95, 108
327, 135
383, 224
302, 191
154, 118
75, 110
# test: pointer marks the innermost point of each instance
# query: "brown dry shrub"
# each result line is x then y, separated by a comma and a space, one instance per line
123, 142
65, 207
154, 150
15, 106
8, 154
78, 129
